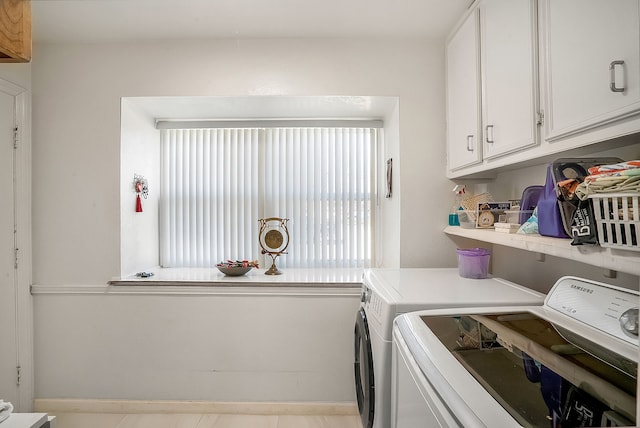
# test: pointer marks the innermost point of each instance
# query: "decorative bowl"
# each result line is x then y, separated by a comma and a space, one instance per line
234, 271
236, 267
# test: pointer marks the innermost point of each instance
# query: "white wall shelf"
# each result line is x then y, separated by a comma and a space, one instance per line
607, 258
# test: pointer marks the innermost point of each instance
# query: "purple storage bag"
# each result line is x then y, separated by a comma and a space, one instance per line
549, 218
528, 202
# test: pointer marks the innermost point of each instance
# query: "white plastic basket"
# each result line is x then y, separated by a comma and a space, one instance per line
618, 220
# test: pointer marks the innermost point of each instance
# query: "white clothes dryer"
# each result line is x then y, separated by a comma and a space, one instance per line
387, 293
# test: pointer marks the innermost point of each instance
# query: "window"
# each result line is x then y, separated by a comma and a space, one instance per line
216, 184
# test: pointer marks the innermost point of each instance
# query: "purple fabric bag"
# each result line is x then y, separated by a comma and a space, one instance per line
529, 201
549, 218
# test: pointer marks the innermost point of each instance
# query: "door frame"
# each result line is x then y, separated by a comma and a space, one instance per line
24, 303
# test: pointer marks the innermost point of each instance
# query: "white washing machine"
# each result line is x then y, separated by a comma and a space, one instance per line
572, 362
387, 293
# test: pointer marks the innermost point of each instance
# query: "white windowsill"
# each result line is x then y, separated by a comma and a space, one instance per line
321, 281
212, 276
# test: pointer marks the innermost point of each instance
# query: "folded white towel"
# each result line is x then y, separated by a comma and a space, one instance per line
5, 410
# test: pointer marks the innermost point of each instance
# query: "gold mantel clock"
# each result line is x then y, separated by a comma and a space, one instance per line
274, 240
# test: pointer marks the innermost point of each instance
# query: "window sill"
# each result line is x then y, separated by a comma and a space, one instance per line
212, 276
320, 281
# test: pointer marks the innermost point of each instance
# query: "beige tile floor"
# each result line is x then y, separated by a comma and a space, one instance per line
112, 420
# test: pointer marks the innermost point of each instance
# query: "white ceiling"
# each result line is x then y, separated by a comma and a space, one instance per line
89, 21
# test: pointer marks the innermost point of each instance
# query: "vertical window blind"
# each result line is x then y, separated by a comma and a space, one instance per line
217, 183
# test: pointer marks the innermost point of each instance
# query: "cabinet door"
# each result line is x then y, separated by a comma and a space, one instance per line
592, 64
509, 62
463, 96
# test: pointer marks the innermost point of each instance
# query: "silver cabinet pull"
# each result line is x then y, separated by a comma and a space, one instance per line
489, 138
469, 143
612, 71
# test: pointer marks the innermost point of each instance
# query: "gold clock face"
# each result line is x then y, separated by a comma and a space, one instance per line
273, 239
273, 236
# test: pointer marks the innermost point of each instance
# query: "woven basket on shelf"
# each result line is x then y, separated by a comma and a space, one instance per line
470, 204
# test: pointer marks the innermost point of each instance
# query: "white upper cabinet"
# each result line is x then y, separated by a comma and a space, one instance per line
557, 78
592, 65
509, 79
464, 135
492, 92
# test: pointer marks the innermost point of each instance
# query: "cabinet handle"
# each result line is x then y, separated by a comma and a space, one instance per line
489, 139
469, 143
612, 71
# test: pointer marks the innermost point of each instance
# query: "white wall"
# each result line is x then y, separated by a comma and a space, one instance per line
19, 74
140, 154
388, 212
77, 90
76, 211
243, 347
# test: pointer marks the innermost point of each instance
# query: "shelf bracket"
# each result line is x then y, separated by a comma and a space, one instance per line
609, 273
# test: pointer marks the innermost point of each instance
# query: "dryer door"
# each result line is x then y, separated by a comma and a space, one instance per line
363, 370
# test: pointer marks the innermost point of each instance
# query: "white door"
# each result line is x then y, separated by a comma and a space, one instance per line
590, 46
464, 136
8, 297
509, 60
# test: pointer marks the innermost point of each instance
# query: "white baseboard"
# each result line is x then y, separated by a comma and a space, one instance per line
53, 406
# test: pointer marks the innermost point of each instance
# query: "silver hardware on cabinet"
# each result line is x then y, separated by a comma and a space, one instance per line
489, 138
469, 143
612, 71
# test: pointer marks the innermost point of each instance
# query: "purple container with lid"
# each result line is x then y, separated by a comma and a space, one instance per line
473, 262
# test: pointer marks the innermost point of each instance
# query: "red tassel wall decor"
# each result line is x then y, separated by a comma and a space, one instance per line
138, 204
141, 187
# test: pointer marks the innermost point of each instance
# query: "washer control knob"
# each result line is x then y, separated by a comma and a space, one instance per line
629, 322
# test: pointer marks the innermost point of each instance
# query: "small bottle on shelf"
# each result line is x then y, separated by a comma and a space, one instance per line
458, 190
